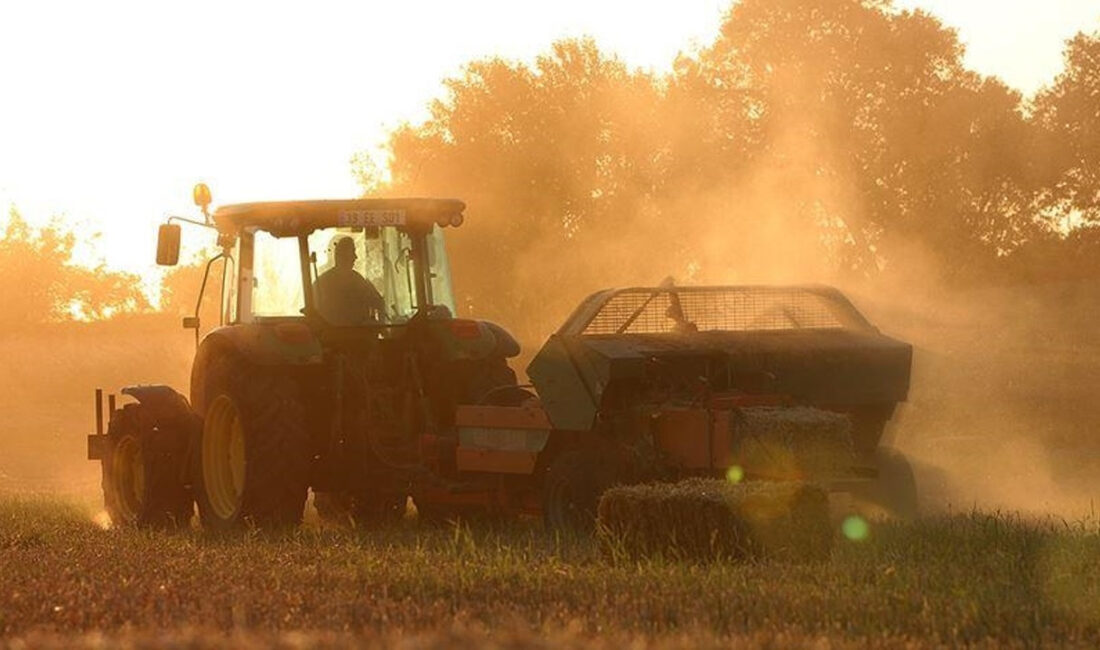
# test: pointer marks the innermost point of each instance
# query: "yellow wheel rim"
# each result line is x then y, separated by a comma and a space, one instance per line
223, 457
128, 473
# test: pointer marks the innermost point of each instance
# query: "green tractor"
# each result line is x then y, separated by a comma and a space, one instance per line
337, 359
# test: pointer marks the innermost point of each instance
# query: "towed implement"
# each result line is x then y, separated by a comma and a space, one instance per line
340, 368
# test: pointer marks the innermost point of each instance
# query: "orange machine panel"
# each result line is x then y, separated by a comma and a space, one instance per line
695, 438
500, 439
496, 461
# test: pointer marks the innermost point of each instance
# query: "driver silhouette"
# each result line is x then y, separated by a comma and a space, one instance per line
343, 296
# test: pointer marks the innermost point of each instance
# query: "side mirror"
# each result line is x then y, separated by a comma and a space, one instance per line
168, 244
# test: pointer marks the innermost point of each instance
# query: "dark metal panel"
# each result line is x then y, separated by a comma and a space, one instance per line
563, 391
509, 417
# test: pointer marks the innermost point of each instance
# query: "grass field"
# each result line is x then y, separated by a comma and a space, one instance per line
971, 578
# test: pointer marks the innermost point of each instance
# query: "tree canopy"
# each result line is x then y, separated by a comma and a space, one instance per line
817, 139
41, 283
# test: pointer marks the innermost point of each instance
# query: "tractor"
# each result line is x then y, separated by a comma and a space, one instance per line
339, 366
288, 395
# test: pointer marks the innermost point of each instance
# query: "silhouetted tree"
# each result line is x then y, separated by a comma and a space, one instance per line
1070, 111
42, 284
875, 137
552, 159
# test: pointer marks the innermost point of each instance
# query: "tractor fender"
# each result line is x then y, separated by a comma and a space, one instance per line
175, 421
165, 402
264, 344
287, 343
458, 339
507, 345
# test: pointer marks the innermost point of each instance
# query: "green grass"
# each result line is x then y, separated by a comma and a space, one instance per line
976, 578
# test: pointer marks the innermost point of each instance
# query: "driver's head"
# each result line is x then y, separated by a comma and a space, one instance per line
344, 252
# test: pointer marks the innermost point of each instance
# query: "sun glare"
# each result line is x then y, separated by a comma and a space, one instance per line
113, 124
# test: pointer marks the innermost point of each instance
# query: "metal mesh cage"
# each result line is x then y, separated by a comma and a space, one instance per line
657, 311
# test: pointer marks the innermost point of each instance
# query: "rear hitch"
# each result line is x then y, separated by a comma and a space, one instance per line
97, 443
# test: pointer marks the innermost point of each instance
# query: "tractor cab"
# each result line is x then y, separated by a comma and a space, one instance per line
385, 259
318, 260
301, 281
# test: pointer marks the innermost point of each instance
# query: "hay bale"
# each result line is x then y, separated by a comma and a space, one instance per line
716, 519
792, 443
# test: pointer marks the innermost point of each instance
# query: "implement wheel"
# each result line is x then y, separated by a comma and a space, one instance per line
571, 491
143, 478
252, 456
894, 492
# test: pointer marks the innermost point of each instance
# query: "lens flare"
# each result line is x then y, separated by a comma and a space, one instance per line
735, 474
102, 519
855, 528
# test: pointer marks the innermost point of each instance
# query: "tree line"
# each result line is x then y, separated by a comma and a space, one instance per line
42, 283
813, 139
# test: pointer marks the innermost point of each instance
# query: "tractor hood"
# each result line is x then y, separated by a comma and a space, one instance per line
808, 345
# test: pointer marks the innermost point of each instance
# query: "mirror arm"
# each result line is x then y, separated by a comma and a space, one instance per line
205, 224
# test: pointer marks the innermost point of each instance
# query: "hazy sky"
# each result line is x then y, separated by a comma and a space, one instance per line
110, 111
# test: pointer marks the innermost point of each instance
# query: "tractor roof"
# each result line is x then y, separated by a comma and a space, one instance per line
284, 218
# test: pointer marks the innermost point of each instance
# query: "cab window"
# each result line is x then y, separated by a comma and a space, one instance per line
276, 276
383, 256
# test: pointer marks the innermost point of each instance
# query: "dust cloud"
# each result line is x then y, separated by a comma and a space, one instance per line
1002, 412
581, 175
47, 393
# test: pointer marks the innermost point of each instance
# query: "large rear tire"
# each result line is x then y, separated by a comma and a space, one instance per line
143, 477
252, 457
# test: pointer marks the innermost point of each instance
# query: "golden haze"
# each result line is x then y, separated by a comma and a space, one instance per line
784, 151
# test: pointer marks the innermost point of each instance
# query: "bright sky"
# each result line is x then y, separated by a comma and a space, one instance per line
111, 110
